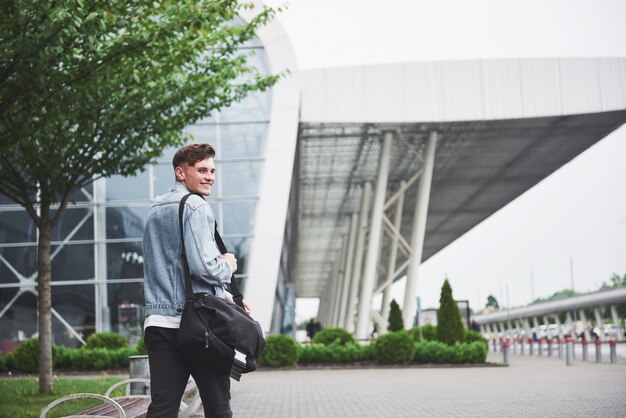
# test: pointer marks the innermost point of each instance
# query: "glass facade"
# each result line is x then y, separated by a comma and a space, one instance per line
97, 261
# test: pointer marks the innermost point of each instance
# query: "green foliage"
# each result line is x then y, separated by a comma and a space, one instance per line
449, 323
3, 363
328, 336
96, 359
25, 358
472, 336
141, 347
428, 333
281, 351
395, 317
335, 353
436, 352
394, 348
109, 340
492, 301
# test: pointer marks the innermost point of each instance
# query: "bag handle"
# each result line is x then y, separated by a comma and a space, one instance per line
234, 286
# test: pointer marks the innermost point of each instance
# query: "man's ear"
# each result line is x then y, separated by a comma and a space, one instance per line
179, 173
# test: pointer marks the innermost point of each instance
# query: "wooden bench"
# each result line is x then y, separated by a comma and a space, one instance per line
127, 406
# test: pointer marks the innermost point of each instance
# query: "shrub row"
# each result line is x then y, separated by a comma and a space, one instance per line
393, 348
25, 358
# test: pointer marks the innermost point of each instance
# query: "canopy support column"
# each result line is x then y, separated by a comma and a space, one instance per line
371, 260
358, 255
419, 230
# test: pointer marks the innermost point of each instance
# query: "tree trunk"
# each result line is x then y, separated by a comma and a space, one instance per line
44, 270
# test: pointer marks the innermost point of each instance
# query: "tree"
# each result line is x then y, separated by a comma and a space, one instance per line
395, 317
492, 301
449, 323
93, 88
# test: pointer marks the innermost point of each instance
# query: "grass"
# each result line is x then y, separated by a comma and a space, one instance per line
20, 397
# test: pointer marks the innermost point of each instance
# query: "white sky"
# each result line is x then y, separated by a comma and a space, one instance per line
579, 209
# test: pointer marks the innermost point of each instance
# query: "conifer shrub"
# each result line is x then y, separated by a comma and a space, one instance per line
395, 317
394, 348
280, 351
329, 336
450, 327
109, 340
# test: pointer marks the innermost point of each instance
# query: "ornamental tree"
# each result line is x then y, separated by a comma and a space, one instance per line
450, 327
395, 317
94, 88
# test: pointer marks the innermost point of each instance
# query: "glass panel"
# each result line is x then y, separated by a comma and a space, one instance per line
202, 133
240, 247
76, 305
73, 262
125, 260
126, 222
5, 200
168, 154
238, 217
19, 322
71, 218
254, 108
240, 179
242, 140
126, 310
21, 259
17, 226
163, 178
128, 188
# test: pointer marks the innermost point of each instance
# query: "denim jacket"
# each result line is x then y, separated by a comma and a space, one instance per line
164, 276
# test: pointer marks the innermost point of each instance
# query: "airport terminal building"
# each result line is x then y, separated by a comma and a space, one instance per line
332, 185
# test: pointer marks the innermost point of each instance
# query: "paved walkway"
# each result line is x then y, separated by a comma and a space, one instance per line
530, 387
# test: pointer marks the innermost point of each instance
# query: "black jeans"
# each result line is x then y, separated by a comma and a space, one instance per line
169, 373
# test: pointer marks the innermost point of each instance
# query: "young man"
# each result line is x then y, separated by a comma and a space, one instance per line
164, 283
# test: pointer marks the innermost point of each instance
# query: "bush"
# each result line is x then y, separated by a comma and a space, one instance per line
449, 323
459, 353
3, 363
395, 320
429, 333
108, 340
473, 336
329, 336
280, 351
96, 359
335, 353
25, 358
394, 348
141, 347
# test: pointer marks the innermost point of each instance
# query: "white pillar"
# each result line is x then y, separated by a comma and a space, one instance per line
583, 318
358, 255
393, 253
373, 247
341, 277
345, 293
419, 230
618, 324
103, 311
599, 323
332, 292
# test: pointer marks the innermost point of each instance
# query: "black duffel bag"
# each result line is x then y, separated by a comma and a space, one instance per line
213, 332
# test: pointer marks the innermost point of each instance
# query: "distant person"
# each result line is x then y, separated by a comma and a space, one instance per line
311, 328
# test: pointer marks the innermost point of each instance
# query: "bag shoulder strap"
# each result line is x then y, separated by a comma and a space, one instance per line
234, 286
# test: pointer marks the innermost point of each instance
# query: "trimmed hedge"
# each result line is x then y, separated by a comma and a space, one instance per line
25, 358
335, 353
440, 353
329, 336
429, 332
109, 340
394, 348
280, 351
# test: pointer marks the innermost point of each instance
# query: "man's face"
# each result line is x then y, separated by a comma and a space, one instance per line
199, 178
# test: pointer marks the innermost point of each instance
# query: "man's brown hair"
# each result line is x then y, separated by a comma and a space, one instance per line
192, 153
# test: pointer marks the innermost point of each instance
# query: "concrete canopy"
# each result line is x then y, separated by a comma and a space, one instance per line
481, 164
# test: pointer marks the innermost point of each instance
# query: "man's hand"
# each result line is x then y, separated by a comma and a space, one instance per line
231, 260
246, 307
